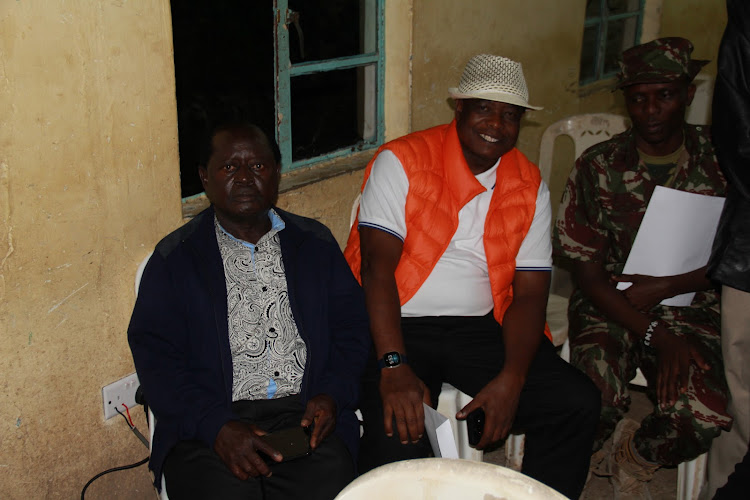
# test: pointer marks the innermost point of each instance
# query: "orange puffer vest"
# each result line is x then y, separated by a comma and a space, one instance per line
440, 184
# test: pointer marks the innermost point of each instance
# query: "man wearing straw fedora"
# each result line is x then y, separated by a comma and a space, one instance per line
452, 248
613, 332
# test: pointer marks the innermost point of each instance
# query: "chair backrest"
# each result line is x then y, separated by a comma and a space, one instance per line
139, 272
699, 112
585, 130
355, 210
151, 418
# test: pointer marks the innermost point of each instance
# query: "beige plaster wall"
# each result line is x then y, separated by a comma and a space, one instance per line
329, 201
88, 183
700, 21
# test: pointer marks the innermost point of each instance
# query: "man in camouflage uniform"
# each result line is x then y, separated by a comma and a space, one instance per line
613, 332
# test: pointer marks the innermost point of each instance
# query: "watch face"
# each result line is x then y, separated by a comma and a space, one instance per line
392, 359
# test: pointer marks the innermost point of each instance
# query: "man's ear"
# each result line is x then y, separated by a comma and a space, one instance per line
203, 174
459, 107
277, 175
690, 94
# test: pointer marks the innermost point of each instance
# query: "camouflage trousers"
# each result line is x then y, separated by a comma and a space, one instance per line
610, 354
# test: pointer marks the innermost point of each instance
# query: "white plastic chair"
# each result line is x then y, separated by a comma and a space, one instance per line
445, 479
162, 495
585, 130
449, 402
699, 111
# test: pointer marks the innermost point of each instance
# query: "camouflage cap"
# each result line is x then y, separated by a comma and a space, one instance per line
658, 61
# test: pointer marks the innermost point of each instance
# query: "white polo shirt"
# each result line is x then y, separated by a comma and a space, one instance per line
459, 285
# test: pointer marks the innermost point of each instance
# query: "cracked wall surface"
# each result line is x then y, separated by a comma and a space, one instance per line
88, 182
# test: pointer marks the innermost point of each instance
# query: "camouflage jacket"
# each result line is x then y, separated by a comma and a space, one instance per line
606, 197
608, 191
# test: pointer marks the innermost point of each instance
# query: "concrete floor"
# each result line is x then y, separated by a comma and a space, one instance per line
662, 487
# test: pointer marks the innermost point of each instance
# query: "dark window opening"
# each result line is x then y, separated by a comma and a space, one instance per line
225, 54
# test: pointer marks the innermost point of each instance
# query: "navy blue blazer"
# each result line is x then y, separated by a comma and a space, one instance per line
178, 332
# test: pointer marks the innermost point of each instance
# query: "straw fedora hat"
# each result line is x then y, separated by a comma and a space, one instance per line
493, 78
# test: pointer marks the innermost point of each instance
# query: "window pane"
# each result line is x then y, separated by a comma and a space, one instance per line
325, 30
325, 109
623, 6
593, 8
620, 36
588, 53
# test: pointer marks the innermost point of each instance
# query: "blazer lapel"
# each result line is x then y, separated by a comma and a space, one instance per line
291, 239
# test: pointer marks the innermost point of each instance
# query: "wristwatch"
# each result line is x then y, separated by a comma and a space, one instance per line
391, 360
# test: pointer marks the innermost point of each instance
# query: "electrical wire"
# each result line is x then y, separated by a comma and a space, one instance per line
133, 428
124, 467
115, 469
130, 419
126, 418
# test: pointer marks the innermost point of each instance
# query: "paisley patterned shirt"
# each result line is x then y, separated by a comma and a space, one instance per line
268, 353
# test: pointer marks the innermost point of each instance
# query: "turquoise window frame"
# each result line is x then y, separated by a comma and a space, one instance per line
601, 22
284, 71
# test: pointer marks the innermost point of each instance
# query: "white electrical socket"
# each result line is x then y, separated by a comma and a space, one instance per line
118, 393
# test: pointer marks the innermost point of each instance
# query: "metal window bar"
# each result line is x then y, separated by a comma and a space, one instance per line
284, 71
601, 22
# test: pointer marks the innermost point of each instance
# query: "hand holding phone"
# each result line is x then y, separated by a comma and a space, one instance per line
292, 443
475, 426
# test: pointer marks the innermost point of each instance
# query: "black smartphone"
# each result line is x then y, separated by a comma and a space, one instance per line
292, 443
475, 426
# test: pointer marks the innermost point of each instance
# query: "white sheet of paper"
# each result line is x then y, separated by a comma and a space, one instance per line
440, 433
675, 237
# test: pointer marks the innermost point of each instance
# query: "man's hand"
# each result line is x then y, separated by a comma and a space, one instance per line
673, 356
499, 399
238, 443
646, 291
403, 393
320, 410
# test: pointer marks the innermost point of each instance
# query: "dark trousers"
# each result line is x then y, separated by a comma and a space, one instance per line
194, 471
558, 409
